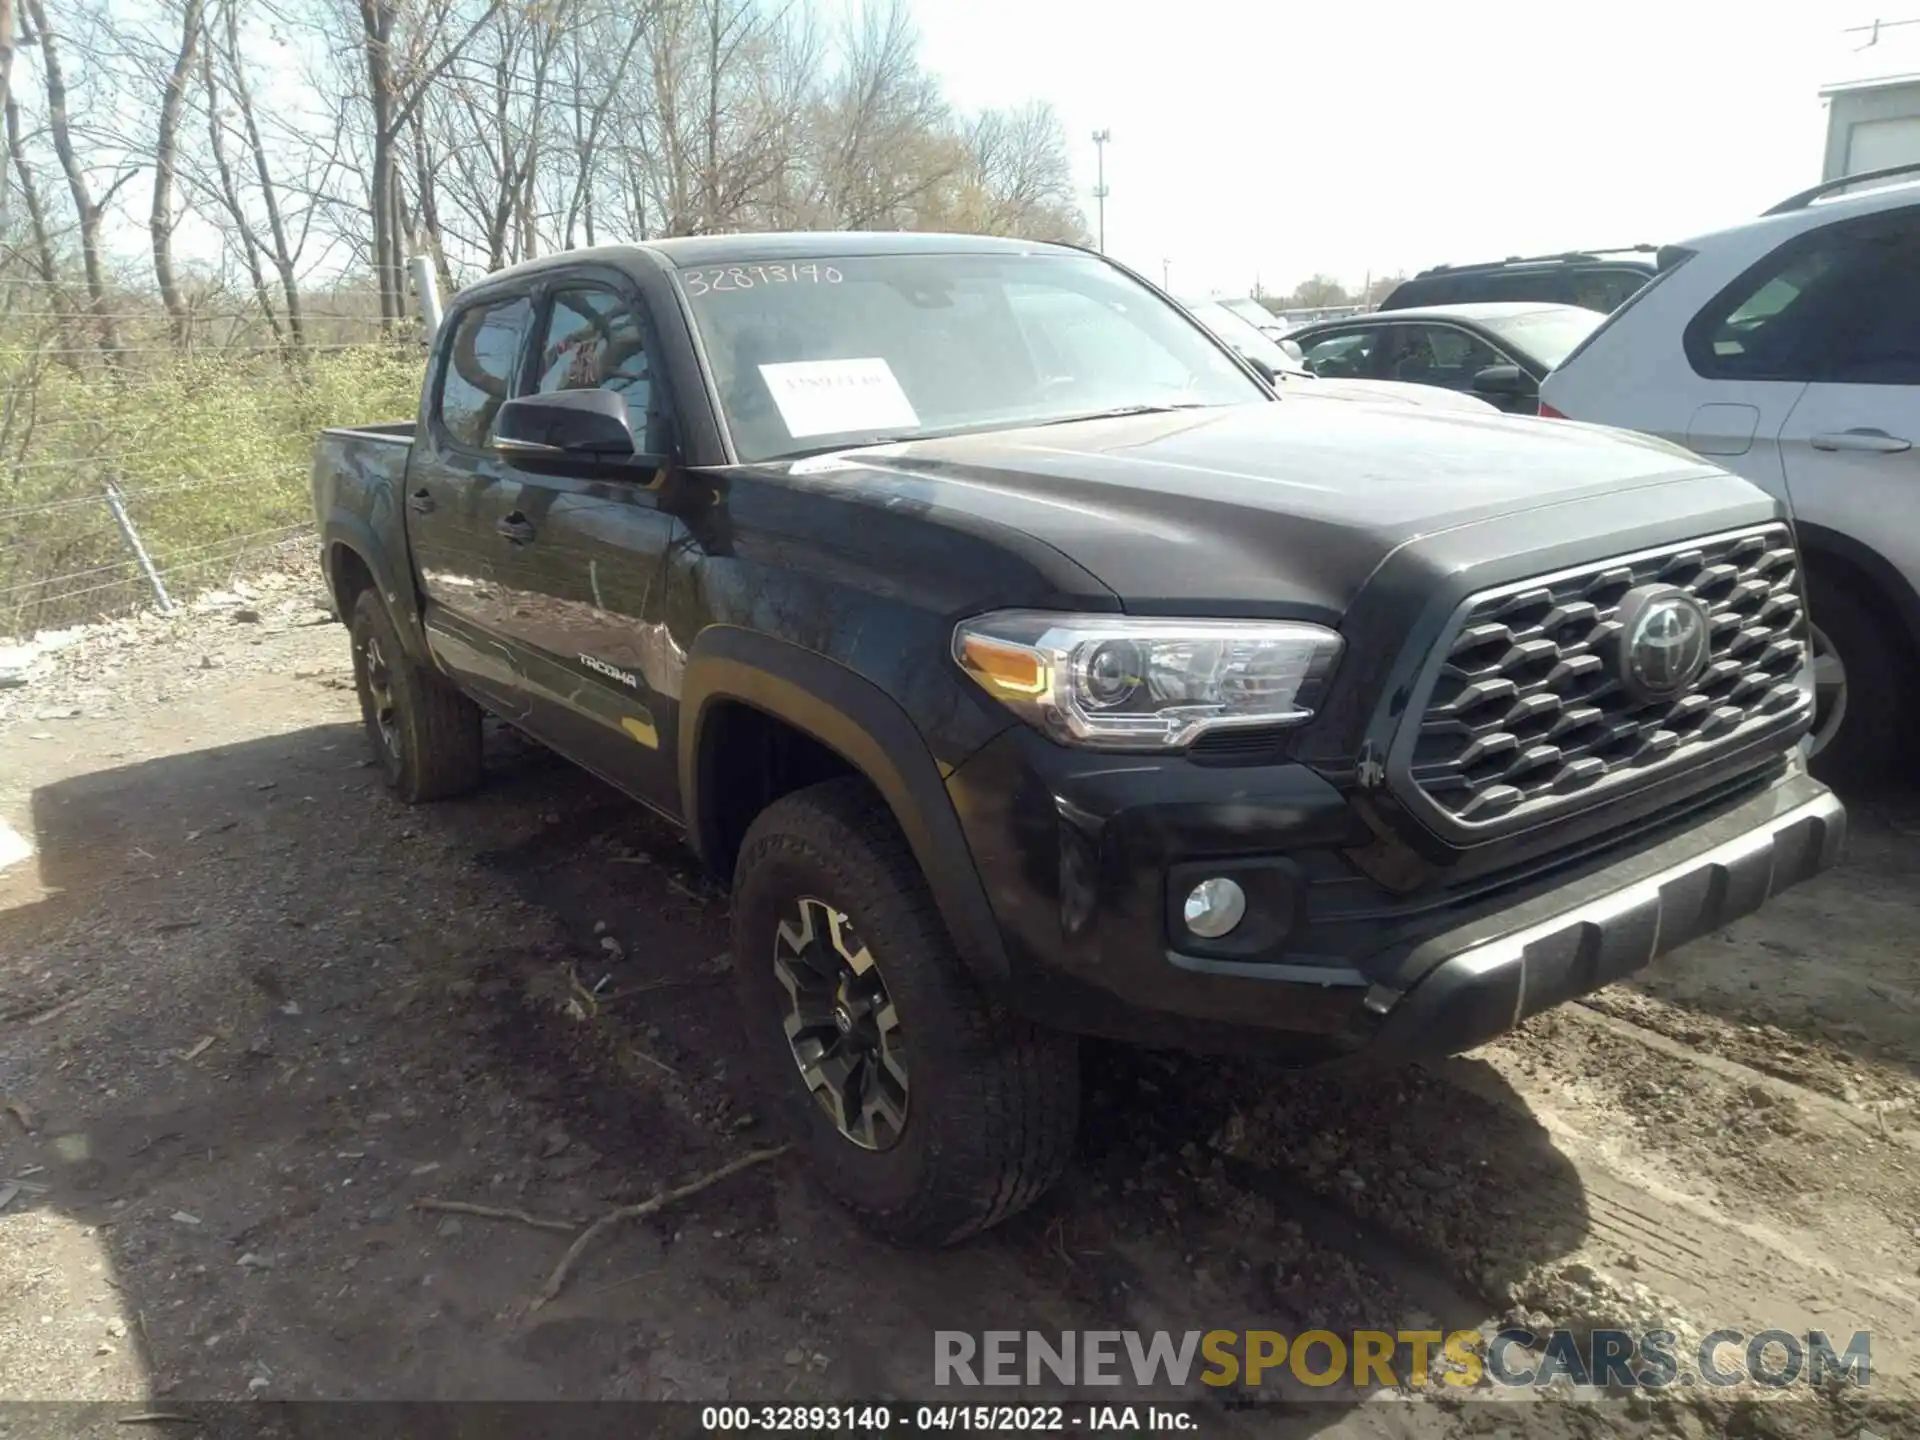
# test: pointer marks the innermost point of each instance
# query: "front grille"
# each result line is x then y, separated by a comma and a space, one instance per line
1525, 712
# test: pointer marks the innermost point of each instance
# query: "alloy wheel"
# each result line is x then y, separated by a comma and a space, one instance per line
1829, 691
842, 1026
380, 695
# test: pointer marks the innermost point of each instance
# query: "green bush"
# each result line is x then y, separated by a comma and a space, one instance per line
209, 453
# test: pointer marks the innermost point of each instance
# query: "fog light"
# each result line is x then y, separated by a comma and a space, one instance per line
1214, 907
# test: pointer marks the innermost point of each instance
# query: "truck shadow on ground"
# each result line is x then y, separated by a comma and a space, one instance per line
254, 1012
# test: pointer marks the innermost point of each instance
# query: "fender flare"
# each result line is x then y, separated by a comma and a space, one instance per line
1817, 541
353, 533
867, 728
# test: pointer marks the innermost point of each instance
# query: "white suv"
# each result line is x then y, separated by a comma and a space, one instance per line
1788, 349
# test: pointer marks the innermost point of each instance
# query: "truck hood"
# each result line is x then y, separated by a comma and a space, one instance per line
1279, 507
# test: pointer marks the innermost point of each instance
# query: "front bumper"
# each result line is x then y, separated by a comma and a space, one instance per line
1084, 860
1499, 979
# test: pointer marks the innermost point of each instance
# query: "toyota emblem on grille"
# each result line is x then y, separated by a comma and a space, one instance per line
1664, 642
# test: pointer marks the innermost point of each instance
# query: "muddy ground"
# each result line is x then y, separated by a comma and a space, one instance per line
254, 1013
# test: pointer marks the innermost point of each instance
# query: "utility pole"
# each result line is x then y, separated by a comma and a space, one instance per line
1100, 138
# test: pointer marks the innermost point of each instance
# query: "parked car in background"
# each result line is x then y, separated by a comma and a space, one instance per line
1498, 352
1600, 280
1788, 348
1255, 314
1284, 369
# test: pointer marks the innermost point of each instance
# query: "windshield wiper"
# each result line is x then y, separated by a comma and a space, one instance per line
1119, 412
975, 428
838, 445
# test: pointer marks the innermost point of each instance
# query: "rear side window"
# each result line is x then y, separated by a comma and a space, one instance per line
1604, 290
1840, 305
477, 378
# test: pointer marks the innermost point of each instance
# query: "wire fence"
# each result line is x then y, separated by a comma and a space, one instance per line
143, 473
116, 551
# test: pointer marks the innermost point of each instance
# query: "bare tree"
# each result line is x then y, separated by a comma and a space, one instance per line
482, 132
165, 152
89, 210
1018, 178
405, 46
228, 191
284, 251
884, 134
1319, 292
42, 237
489, 120
6, 92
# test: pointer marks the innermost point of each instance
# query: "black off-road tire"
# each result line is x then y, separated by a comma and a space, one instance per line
1867, 751
992, 1102
425, 734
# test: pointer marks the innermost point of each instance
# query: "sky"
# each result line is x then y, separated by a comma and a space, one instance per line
1261, 141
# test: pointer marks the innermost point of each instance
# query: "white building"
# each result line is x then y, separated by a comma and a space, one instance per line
1873, 107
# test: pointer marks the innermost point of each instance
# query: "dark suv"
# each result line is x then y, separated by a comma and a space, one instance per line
1032, 670
1600, 280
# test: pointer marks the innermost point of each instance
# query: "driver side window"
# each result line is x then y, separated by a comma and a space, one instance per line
595, 340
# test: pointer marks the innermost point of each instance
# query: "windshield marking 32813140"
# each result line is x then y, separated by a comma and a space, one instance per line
865, 349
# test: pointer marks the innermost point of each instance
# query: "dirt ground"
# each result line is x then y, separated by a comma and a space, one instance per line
254, 1013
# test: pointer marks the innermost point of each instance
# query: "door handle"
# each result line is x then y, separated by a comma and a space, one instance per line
420, 502
515, 527
1877, 442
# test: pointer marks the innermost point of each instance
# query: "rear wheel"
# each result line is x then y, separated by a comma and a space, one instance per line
1863, 685
425, 734
926, 1108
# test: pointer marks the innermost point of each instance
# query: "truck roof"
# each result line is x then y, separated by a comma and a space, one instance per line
682, 251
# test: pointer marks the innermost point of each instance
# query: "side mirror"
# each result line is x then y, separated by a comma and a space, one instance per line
1260, 367
589, 424
1503, 380
1294, 352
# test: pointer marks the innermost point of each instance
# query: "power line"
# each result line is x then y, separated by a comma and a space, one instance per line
1872, 31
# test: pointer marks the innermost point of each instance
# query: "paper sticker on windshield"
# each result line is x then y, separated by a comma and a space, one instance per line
830, 397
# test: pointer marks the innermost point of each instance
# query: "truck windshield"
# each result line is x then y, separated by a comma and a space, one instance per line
808, 355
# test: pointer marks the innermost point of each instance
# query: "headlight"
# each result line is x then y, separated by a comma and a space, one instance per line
1125, 682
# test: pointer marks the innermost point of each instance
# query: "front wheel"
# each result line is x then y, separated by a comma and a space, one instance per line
926, 1108
1863, 686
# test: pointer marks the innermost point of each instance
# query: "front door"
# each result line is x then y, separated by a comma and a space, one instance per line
458, 491
583, 566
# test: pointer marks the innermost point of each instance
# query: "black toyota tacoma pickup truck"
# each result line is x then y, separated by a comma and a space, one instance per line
1032, 670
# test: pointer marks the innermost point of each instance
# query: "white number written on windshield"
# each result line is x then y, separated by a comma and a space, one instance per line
723, 278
